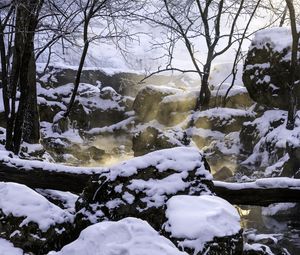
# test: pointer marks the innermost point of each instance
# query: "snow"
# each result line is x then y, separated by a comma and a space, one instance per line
270, 136
122, 125
279, 38
264, 183
128, 236
223, 113
221, 75
21, 201
67, 198
277, 209
222, 90
198, 219
7, 248
179, 159
259, 248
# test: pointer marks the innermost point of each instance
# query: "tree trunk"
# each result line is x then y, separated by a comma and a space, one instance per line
31, 121
294, 61
26, 22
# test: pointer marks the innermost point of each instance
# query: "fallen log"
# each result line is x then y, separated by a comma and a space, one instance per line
42, 175
43, 179
261, 192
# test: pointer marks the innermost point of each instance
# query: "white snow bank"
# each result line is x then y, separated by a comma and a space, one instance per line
264, 183
7, 248
198, 219
21, 201
180, 159
128, 236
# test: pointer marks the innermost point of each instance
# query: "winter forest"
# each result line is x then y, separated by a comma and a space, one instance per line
149, 127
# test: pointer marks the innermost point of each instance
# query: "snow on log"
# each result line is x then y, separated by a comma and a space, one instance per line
261, 192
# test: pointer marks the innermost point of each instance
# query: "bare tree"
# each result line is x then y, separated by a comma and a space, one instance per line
214, 22
114, 14
18, 73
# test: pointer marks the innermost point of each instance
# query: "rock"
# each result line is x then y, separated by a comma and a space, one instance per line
270, 144
224, 120
30, 221
48, 111
291, 167
174, 109
152, 139
223, 174
63, 199
146, 103
93, 107
140, 187
256, 249
95, 153
238, 97
128, 236
267, 68
203, 225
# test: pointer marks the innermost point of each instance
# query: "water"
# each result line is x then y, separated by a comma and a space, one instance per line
285, 228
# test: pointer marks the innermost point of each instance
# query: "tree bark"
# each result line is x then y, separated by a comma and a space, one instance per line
294, 62
27, 19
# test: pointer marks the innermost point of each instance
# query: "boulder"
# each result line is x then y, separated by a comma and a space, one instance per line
174, 109
238, 97
128, 236
224, 120
203, 225
267, 68
141, 186
152, 139
146, 103
93, 107
30, 221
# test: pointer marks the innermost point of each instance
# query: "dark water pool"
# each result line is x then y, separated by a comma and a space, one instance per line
283, 228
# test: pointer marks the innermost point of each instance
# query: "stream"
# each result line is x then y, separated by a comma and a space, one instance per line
280, 232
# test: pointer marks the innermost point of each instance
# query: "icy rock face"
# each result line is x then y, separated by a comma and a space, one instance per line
128, 236
267, 68
203, 225
30, 221
141, 186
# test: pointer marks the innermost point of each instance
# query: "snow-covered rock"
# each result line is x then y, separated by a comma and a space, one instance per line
270, 146
224, 120
267, 67
7, 248
150, 138
140, 187
30, 221
146, 103
197, 222
128, 236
